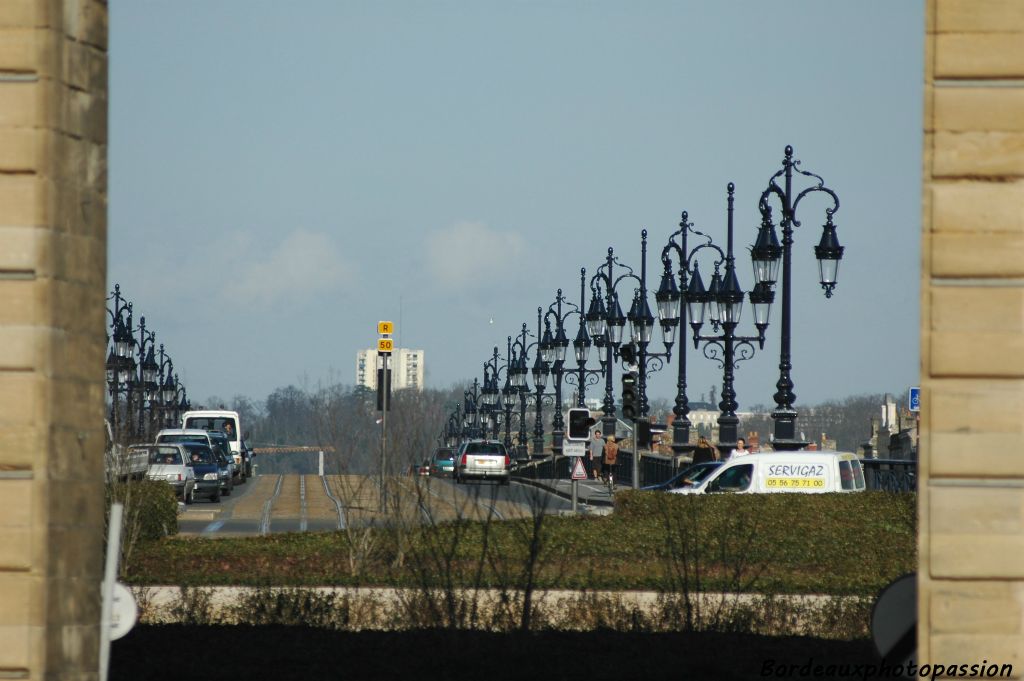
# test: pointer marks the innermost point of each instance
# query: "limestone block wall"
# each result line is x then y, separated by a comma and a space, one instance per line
971, 502
53, 196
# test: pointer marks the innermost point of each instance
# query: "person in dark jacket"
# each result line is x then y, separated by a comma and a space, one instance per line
705, 451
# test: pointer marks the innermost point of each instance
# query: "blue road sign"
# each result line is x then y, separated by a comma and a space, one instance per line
914, 399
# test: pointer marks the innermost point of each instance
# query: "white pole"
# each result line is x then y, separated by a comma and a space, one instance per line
107, 587
321, 463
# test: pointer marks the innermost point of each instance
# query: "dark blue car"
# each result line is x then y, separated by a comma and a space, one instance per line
204, 463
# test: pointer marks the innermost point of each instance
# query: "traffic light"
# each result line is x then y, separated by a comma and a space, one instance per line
630, 396
579, 425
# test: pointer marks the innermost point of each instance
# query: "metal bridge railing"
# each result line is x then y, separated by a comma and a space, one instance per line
890, 475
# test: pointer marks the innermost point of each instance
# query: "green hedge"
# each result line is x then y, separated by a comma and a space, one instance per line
773, 543
150, 508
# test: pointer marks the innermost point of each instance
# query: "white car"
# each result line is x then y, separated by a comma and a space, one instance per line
482, 460
169, 463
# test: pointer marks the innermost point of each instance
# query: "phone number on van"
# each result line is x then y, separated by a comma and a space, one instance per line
795, 482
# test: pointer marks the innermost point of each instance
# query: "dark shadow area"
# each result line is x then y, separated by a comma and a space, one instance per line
280, 652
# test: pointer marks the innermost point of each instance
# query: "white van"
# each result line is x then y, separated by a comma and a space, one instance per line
227, 422
800, 471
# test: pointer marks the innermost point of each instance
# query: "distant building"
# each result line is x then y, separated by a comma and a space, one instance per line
407, 369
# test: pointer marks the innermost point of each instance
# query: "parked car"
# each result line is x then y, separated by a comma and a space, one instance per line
168, 463
422, 468
693, 474
483, 460
204, 463
774, 472
442, 463
215, 441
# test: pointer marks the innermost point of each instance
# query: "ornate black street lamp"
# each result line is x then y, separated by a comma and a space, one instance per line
470, 419
725, 306
540, 380
144, 383
552, 351
120, 361
583, 376
641, 325
181, 402
765, 255
509, 395
605, 323
520, 381
492, 409
452, 429
678, 305
166, 389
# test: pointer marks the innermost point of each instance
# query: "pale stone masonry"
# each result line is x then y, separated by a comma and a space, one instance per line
53, 201
971, 502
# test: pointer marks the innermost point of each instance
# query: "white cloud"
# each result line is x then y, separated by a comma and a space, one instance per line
471, 253
303, 263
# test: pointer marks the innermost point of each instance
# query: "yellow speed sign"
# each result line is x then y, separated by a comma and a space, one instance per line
385, 328
385, 345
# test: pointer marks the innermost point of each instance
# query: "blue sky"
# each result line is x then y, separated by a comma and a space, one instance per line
284, 175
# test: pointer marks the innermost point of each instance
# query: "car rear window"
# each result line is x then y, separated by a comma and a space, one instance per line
847, 477
184, 438
165, 455
858, 474
485, 448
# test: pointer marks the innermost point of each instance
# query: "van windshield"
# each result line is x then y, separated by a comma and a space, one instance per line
224, 424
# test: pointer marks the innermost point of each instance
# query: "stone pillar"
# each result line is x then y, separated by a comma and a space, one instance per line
971, 499
53, 198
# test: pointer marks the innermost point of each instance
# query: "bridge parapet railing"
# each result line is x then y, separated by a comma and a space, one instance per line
890, 475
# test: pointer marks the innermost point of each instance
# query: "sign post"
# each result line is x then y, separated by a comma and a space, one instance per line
385, 346
575, 446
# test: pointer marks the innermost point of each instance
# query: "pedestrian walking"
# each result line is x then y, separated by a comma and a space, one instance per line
705, 451
611, 457
596, 454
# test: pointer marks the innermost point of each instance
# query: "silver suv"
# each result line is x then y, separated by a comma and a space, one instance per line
482, 460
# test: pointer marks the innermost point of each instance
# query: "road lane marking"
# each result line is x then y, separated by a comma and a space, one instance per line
337, 503
268, 504
302, 503
213, 527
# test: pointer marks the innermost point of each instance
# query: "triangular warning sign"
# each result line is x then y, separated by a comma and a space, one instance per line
578, 471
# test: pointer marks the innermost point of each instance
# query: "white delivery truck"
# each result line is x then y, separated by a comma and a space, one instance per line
230, 424
800, 471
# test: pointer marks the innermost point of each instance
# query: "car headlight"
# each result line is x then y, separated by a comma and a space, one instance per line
174, 477
210, 476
